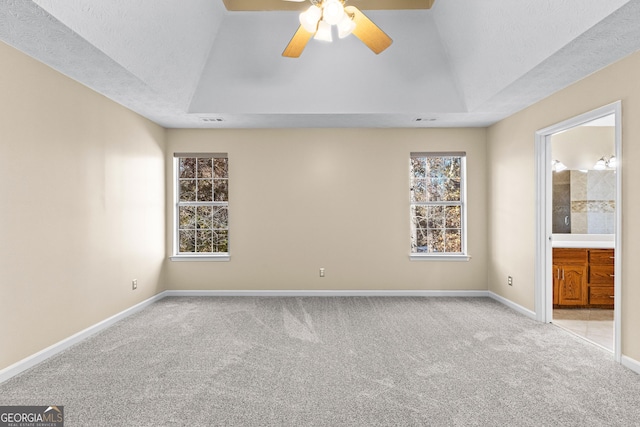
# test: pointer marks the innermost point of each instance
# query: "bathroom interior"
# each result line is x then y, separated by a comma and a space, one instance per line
584, 227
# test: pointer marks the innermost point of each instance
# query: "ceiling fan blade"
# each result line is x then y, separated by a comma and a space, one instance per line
298, 42
368, 32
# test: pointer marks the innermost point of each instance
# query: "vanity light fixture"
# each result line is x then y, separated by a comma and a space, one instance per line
558, 166
605, 163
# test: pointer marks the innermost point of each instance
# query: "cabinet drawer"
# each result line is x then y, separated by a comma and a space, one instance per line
601, 274
601, 295
569, 256
601, 256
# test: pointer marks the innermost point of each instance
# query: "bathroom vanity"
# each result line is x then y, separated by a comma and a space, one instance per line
583, 271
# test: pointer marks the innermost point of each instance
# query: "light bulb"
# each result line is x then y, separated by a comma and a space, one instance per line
558, 166
600, 165
345, 26
333, 12
324, 32
309, 18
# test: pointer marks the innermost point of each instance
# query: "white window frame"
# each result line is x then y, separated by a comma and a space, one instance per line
178, 256
445, 256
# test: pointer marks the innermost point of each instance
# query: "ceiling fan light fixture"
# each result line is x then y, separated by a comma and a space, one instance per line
309, 18
345, 26
333, 12
324, 32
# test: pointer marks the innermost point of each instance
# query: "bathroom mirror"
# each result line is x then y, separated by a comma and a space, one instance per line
584, 178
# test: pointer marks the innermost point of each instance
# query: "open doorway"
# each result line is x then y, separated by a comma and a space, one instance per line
578, 257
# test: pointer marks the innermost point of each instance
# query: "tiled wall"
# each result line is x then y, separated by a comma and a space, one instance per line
593, 202
562, 202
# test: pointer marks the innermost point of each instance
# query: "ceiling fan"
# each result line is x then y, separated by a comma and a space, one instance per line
318, 20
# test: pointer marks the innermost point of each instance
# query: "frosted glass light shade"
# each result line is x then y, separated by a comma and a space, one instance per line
600, 165
613, 162
333, 11
309, 18
324, 32
345, 26
558, 166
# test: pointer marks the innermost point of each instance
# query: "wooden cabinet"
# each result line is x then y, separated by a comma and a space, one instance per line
583, 277
570, 277
601, 277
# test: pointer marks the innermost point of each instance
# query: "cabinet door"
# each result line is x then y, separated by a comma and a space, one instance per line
572, 287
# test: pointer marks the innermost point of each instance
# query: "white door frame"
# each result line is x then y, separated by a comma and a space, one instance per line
543, 267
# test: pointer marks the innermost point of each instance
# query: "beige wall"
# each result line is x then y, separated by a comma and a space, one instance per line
82, 214
338, 199
582, 146
512, 187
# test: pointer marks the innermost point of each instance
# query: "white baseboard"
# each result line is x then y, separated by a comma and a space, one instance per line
630, 363
326, 293
58, 347
517, 307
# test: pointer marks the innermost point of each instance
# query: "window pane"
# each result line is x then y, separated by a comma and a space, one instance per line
205, 219
434, 190
453, 217
435, 217
221, 241
187, 190
187, 216
418, 167
419, 215
451, 190
204, 241
444, 167
419, 191
221, 190
187, 240
419, 243
205, 168
220, 218
453, 242
221, 168
205, 190
187, 167
435, 240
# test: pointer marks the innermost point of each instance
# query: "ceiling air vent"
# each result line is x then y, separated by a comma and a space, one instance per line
425, 119
211, 119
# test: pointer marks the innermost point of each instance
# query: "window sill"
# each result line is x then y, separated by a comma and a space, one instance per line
433, 257
196, 258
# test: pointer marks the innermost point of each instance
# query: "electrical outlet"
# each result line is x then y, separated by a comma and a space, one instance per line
322, 272
510, 281
134, 284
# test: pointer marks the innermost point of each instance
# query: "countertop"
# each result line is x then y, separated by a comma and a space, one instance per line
591, 241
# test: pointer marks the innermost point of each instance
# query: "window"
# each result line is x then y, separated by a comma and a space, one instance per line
202, 205
438, 205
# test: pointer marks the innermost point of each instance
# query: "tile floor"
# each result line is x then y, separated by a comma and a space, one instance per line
594, 324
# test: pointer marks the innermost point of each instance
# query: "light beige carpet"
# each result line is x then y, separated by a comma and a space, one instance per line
246, 361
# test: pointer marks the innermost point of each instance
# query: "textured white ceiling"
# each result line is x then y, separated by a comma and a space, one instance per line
463, 63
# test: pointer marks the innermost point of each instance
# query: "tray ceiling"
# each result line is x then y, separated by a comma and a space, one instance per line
460, 63
264, 5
